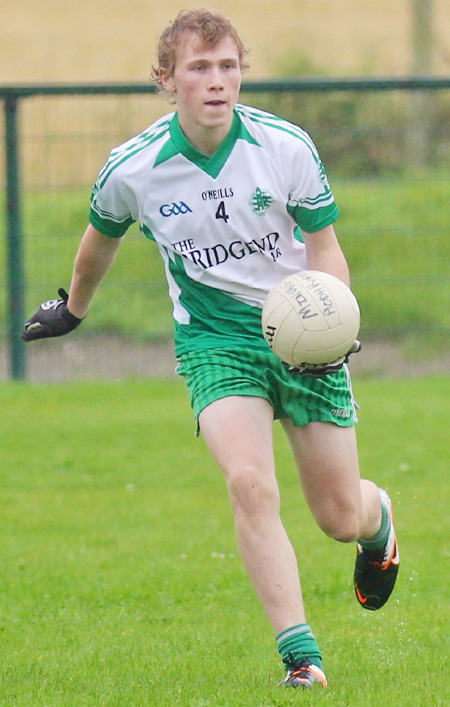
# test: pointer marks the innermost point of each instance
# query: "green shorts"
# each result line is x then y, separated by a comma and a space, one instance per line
218, 373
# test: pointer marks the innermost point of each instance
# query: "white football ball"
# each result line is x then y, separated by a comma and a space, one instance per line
310, 317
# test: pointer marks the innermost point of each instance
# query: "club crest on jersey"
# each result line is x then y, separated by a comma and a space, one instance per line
260, 201
174, 209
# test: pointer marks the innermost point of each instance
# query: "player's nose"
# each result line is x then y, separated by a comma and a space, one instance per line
216, 78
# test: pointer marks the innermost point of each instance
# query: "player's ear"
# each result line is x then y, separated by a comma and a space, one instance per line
167, 81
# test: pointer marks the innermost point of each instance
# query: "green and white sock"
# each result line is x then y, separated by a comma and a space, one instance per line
297, 643
379, 540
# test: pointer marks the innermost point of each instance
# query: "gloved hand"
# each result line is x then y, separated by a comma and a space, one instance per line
317, 370
51, 319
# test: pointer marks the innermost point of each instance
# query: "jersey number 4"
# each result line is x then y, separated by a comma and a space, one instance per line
221, 212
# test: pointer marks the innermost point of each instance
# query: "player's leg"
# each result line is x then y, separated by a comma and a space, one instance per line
238, 431
346, 507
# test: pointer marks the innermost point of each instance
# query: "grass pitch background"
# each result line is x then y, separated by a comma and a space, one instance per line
121, 581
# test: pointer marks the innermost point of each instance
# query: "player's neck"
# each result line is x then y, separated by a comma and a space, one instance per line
205, 139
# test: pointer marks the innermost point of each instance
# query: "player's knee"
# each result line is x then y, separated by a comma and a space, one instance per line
343, 527
251, 492
346, 533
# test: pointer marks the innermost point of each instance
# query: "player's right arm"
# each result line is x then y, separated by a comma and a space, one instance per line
60, 316
95, 256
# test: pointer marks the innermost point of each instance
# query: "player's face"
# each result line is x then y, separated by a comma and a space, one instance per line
205, 83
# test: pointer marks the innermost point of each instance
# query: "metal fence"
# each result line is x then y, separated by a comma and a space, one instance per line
386, 147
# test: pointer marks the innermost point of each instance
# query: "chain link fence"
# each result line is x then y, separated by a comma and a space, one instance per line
386, 148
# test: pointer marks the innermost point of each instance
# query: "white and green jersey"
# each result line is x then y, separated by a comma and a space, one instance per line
227, 226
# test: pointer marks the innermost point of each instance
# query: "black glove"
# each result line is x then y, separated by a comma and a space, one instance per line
51, 319
317, 370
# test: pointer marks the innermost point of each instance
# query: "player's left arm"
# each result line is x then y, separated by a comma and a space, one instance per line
324, 253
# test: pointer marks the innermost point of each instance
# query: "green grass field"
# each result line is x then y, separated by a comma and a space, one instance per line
121, 583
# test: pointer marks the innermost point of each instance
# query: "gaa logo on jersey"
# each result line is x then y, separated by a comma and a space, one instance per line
174, 209
260, 201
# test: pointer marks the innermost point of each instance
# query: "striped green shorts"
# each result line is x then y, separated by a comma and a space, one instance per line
218, 373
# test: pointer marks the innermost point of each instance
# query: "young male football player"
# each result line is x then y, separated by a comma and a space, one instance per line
236, 199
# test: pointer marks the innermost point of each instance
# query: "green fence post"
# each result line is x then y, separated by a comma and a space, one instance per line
15, 303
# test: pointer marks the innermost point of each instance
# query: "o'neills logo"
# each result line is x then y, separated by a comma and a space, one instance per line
217, 254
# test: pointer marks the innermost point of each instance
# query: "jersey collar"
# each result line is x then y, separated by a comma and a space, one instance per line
213, 164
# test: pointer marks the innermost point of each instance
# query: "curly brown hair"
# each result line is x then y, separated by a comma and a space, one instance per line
210, 27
